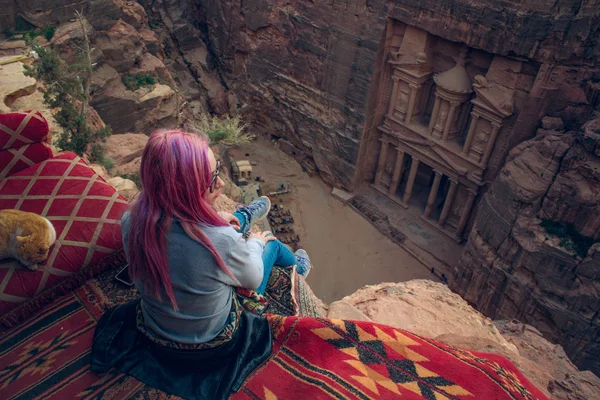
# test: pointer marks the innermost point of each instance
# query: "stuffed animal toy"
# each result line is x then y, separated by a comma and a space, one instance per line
26, 237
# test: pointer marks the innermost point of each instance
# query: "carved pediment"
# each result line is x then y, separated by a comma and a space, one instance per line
429, 148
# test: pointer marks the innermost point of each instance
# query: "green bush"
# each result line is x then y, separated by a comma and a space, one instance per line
228, 131
48, 32
135, 81
570, 238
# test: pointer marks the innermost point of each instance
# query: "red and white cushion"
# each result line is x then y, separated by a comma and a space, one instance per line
15, 160
85, 211
20, 128
23, 137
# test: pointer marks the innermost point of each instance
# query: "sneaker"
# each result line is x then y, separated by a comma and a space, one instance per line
303, 264
255, 211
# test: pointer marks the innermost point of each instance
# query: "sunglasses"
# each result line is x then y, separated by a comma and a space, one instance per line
215, 175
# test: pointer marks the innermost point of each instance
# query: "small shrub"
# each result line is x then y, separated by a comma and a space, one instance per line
8, 33
135, 177
135, 81
49, 32
228, 131
570, 238
96, 156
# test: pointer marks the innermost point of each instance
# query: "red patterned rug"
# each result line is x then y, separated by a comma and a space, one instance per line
48, 357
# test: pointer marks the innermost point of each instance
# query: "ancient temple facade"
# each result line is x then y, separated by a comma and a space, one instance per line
442, 123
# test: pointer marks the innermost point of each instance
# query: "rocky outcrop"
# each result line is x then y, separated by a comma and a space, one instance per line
143, 110
432, 310
101, 13
126, 152
122, 43
426, 308
531, 254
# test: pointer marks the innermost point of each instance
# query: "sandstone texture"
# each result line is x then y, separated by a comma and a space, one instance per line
531, 254
126, 187
122, 44
426, 308
126, 151
432, 310
14, 83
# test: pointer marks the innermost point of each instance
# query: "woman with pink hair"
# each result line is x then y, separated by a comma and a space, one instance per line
187, 333
185, 257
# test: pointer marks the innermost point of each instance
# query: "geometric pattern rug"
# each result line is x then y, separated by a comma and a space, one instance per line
48, 357
320, 358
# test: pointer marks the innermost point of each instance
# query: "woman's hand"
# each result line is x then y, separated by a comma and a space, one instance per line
264, 237
231, 219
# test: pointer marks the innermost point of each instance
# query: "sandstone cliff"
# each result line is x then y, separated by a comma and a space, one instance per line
432, 310
123, 45
307, 71
531, 254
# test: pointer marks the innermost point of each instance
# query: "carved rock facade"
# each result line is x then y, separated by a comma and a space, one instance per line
447, 105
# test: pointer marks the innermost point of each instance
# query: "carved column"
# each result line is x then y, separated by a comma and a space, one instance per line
465, 214
434, 113
448, 202
382, 158
470, 135
394, 95
397, 171
411, 103
490, 143
433, 193
414, 166
449, 120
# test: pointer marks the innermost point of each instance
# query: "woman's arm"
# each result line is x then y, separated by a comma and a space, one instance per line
244, 259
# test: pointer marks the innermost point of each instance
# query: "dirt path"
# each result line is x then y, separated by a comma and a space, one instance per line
347, 252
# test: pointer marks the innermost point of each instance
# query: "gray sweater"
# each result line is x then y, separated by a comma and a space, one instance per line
203, 292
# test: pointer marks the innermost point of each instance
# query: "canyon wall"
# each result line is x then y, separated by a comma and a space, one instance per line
534, 252
307, 71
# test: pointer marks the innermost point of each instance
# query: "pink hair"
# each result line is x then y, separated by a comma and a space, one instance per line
175, 174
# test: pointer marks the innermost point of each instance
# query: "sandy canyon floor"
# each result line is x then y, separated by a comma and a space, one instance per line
347, 252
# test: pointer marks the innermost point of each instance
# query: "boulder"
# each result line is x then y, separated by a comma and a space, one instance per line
126, 151
134, 14
553, 124
125, 187
121, 45
342, 309
144, 110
